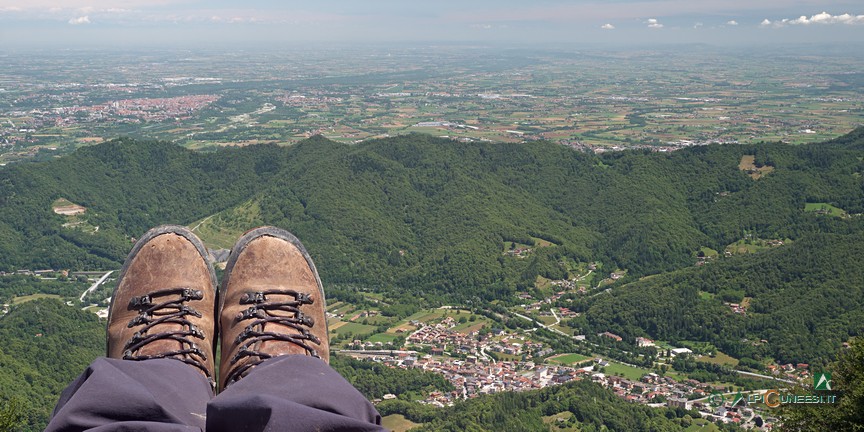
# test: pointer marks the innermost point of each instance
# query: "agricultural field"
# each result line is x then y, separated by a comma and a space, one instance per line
397, 423
753, 245
748, 165
825, 209
720, 359
595, 102
706, 295
221, 230
25, 299
355, 329
629, 372
568, 359
348, 322
560, 422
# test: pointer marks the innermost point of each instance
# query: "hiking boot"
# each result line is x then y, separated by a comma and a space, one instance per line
271, 303
165, 302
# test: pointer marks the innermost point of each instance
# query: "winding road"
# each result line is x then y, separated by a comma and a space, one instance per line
94, 286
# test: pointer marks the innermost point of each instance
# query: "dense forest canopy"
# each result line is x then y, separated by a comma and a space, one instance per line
426, 219
430, 218
44, 345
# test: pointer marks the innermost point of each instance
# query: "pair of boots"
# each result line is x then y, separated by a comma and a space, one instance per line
166, 304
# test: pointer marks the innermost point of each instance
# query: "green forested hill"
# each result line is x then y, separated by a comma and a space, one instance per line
807, 299
430, 218
44, 345
581, 405
127, 187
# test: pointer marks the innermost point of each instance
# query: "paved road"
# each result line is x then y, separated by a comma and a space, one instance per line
540, 324
202, 222
557, 320
484, 355
765, 377
94, 286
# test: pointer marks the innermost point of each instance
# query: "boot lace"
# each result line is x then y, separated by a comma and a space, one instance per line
174, 311
261, 313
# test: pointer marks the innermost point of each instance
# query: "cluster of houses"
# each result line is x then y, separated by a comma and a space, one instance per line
50, 274
737, 308
476, 376
540, 305
520, 252
651, 388
565, 284
672, 146
133, 110
314, 100
39, 273
441, 338
464, 361
795, 372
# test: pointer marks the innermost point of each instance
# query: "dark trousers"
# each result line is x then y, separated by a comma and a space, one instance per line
287, 393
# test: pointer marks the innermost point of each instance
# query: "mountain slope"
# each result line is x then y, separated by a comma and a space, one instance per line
44, 345
426, 218
806, 299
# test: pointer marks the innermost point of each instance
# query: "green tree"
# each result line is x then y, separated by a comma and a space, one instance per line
11, 414
848, 384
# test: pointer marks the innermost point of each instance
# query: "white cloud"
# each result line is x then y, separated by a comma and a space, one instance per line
732, 23
823, 18
80, 20
97, 4
765, 22
607, 27
653, 23
698, 25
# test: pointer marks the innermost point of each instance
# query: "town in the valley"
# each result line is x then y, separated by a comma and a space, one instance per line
478, 355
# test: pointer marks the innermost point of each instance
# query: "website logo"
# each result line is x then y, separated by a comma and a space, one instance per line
716, 399
738, 398
822, 381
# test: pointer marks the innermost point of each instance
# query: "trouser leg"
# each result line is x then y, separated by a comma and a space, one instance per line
152, 395
292, 393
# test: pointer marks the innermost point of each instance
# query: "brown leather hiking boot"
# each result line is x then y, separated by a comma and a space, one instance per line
271, 303
165, 302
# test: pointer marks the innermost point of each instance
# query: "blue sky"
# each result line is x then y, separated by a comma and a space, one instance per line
182, 22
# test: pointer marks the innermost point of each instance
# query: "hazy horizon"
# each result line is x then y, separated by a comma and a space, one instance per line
195, 23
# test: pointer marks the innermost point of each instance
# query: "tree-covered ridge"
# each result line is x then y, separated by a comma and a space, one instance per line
376, 380
807, 299
585, 406
847, 414
437, 201
127, 186
426, 219
44, 345
430, 218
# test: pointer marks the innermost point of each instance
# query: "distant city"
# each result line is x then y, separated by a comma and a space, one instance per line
598, 101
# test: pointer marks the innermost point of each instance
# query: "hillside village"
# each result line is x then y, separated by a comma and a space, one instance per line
465, 361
